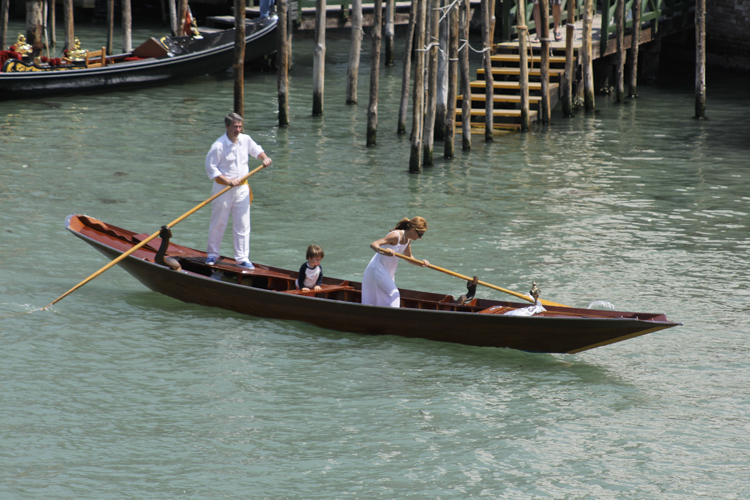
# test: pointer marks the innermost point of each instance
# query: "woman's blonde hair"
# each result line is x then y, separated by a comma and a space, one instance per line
417, 223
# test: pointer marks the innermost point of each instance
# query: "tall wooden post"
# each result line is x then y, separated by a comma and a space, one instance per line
290, 16
34, 24
489, 81
700, 58
620, 61
127, 26
432, 42
51, 21
282, 54
319, 57
68, 22
401, 127
633, 84
450, 111
442, 74
587, 57
523, 63
372, 109
3, 23
354, 50
463, 56
45, 15
544, 68
415, 158
174, 17
110, 26
182, 9
390, 30
570, 33
238, 67
4, 5
493, 22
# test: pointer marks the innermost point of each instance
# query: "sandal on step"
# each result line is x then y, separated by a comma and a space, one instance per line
558, 36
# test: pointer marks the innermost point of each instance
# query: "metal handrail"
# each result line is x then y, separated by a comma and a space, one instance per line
510, 11
652, 12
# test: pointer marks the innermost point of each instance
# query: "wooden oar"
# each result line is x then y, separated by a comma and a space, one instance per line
489, 285
144, 242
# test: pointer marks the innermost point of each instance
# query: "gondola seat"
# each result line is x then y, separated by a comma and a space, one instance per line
91, 54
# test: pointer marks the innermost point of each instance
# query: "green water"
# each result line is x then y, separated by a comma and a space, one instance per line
118, 392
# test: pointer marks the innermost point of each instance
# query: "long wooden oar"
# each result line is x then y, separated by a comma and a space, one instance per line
489, 285
144, 242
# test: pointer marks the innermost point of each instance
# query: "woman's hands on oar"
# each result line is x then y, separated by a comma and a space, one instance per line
489, 285
392, 253
144, 242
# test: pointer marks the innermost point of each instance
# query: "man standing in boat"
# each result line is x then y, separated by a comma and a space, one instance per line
226, 164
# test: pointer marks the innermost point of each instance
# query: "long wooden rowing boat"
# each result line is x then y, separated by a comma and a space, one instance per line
269, 292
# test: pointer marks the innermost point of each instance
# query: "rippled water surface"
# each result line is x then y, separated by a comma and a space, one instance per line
118, 392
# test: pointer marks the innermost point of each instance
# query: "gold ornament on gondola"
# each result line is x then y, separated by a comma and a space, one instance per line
77, 53
194, 28
22, 47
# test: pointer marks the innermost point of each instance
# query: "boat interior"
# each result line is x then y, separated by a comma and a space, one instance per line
161, 251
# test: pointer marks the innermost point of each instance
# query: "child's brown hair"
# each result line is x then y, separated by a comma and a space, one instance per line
315, 251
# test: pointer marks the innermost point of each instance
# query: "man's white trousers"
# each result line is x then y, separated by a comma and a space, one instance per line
237, 203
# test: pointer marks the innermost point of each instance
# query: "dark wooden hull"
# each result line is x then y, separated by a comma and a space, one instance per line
212, 55
422, 315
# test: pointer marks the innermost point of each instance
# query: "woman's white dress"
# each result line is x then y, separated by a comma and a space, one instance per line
378, 285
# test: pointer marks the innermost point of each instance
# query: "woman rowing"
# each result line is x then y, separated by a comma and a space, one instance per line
378, 285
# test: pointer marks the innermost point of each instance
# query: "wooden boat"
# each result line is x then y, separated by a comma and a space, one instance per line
269, 292
154, 62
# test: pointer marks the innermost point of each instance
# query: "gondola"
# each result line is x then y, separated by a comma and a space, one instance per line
154, 62
181, 273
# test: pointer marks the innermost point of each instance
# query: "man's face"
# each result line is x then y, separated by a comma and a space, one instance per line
234, 130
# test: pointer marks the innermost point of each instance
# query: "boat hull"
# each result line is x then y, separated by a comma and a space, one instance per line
142, 73
534, 334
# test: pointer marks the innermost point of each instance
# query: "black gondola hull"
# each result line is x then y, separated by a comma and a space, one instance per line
213, 56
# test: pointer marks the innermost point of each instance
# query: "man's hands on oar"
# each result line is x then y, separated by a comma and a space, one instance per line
489, 285
147, 240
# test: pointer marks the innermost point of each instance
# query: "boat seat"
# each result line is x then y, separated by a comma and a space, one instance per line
101, 54
275, 280
496, 310
228, 265
448, 303
324, 289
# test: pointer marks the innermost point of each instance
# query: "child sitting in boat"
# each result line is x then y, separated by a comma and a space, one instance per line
311, 274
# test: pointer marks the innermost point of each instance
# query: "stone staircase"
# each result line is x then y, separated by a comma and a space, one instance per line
507, 89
